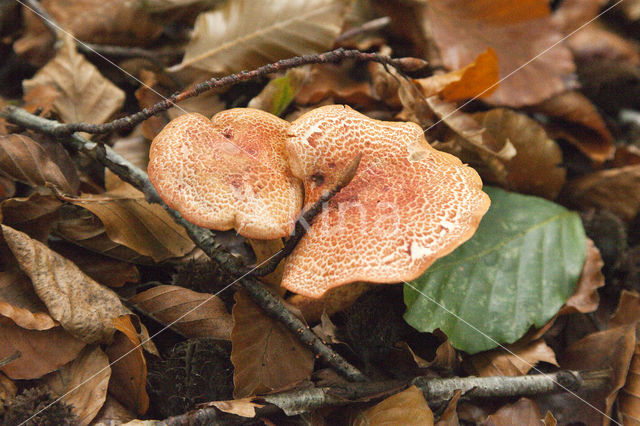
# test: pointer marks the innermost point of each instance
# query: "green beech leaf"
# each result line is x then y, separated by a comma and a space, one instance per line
518, 269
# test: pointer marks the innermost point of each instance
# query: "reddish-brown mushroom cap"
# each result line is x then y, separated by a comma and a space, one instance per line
228, 172
407, 205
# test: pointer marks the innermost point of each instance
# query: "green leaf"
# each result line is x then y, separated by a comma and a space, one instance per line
516, 271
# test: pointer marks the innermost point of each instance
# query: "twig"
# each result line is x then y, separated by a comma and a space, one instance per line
333, 56
372, 25
101, 49
436, 392
10, 358
305, 219
203, 238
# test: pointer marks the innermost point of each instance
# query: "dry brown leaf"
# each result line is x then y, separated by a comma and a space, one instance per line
450, 415
8, 391
118, 22
192, 314
477, 79
7, 188
82, 306
133, 222
616, 190
85, 94
33, 215
578, 121
585, 297
517, 31
103, 269
83, 383
628, 311
446, 356
41, 98
517, 361
265, 355
41, 352
549, 420
535, 169
264, 250
242, 34
113, 413
524, 412
148, 94
82, 228
19, 302
336, 82
37, 163
129, 368
405, 408
335, 300
243, 407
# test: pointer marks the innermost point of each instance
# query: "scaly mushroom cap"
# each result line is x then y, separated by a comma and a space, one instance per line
407, 205
228, 172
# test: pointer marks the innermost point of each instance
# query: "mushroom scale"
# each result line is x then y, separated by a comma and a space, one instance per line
407, 205
228, 172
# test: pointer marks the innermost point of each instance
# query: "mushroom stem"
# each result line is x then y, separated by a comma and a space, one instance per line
306, 217
203, 238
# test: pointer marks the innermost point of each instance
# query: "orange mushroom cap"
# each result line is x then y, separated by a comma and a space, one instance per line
228, 172
407, 205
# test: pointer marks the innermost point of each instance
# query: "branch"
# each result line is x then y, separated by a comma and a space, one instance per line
203, 238
436, 392
303, 222
333, 56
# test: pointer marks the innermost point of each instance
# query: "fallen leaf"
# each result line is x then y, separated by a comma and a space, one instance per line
628, 310
82, 383
405, 408
450, 415
477, 79
616, 190
113, 413
585, 297
243, 35
278, 94
148, 94
82, 306
264, 250
523, 412
8, 391
103, 269
446, 356
577, 120
41, 352
33, 215
133, 222
37, 163
265, 355
243, 407
19, 302
515, 360
549, 420
41, 99
190, 313
517, 31
535, 153
86, 96
129, 368
335, 300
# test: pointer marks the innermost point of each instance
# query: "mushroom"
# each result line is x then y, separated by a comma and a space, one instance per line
228, 172
407, 205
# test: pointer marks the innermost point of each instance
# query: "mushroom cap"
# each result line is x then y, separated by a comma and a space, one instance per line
228, 172
407, 205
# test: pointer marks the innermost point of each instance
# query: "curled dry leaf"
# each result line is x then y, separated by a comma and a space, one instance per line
41, 352
33, 215
478, 79
82, 383
19, 302
516, 360
405, 408
577, 120
517, 31
616, 190
535, 153
335, 300
85, 94
113, 413
446, 356
190, 313
585, 297
522, 412
37, 163
133, 222
82, 306
242, 34
265, 355
128, 366
243, 407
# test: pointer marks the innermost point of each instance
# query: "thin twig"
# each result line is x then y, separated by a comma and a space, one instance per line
305, 219
203, 238
333, 56
372, 25
435, 391
10, 358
